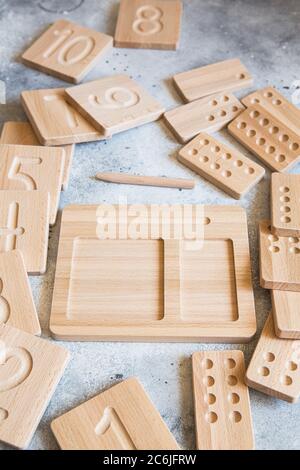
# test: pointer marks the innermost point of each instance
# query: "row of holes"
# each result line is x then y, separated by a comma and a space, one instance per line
285, 208
210, 398
265, 371
269, 95
225, 156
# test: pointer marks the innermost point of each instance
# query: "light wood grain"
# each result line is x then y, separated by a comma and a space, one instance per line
22, 133
221, 399
154, 24
285, 199
274, 367
54, 121
228, 75
30, 369
267, 137
286, 313
121, 418
114, 104
279, 260
223, 166
116, 285
16, 302
276, 104
67, 50
31, 168
143, 180
208, 114
24, 225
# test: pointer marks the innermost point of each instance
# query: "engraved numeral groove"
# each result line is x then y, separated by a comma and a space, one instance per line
147, 20
115, 98
4, 306
111, 422
64, 45
11, 231
16, 172
69, 113
11, 377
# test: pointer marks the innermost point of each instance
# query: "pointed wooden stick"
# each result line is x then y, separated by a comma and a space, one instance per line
124, 178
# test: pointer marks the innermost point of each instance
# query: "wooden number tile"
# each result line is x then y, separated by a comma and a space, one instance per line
286, 313
279, 260
277, 105
208, 114
274, 367
223, 166
225, 76
147, 286
221, 400
67, 50
16, 303
21, 133
150, 24
121, 418
285, 204
24, 225
114, 104
30, 371
264, 135
25, 167
54, 121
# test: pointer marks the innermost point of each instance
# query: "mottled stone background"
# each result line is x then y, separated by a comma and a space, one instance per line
265, 35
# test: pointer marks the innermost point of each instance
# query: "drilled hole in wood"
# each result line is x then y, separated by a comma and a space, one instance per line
211, 417
264, 371
286, 380
274, 249
268, 94
232, 380
295, 250
285, 209
230, 363
210, 118
254, 114
209, 381
241, 125
233, 398
241, 76
285, 219
226, 173
255, 101
210, 399
294, 239
222, 113
274, 130
204, 141
294, 146
261, 141
213, 103
292, 366
273, 238
277, 102
283, 138
215, 166
203, 159
226, 156
235, 416
270, 149
264, 122
207, 364
284, 189
238, 163
225, 98
215, 148
193, 152
251, 133
284, 199
269, 357
234, 109
249, 170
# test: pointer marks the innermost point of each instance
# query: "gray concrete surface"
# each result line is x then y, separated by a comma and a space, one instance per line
265, 35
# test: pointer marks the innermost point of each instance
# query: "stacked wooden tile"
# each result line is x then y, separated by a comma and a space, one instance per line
211, 106
270, 128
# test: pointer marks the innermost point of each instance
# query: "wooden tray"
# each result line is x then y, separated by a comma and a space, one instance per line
153, 289
121, 418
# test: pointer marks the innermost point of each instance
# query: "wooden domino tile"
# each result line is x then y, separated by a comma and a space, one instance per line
267, 137
277, 105
208, 114
286, 314
221, 399
151, 24
159, 288
24, 225
114, 104
274, 367
30, 371
54, 121
16, 302
67, 50
228, 75
21, 133
285, 204
279, 260
223, 166
30, 168
121, 418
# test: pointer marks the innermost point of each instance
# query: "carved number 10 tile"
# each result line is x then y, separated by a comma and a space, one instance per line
150, 24
67, 50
